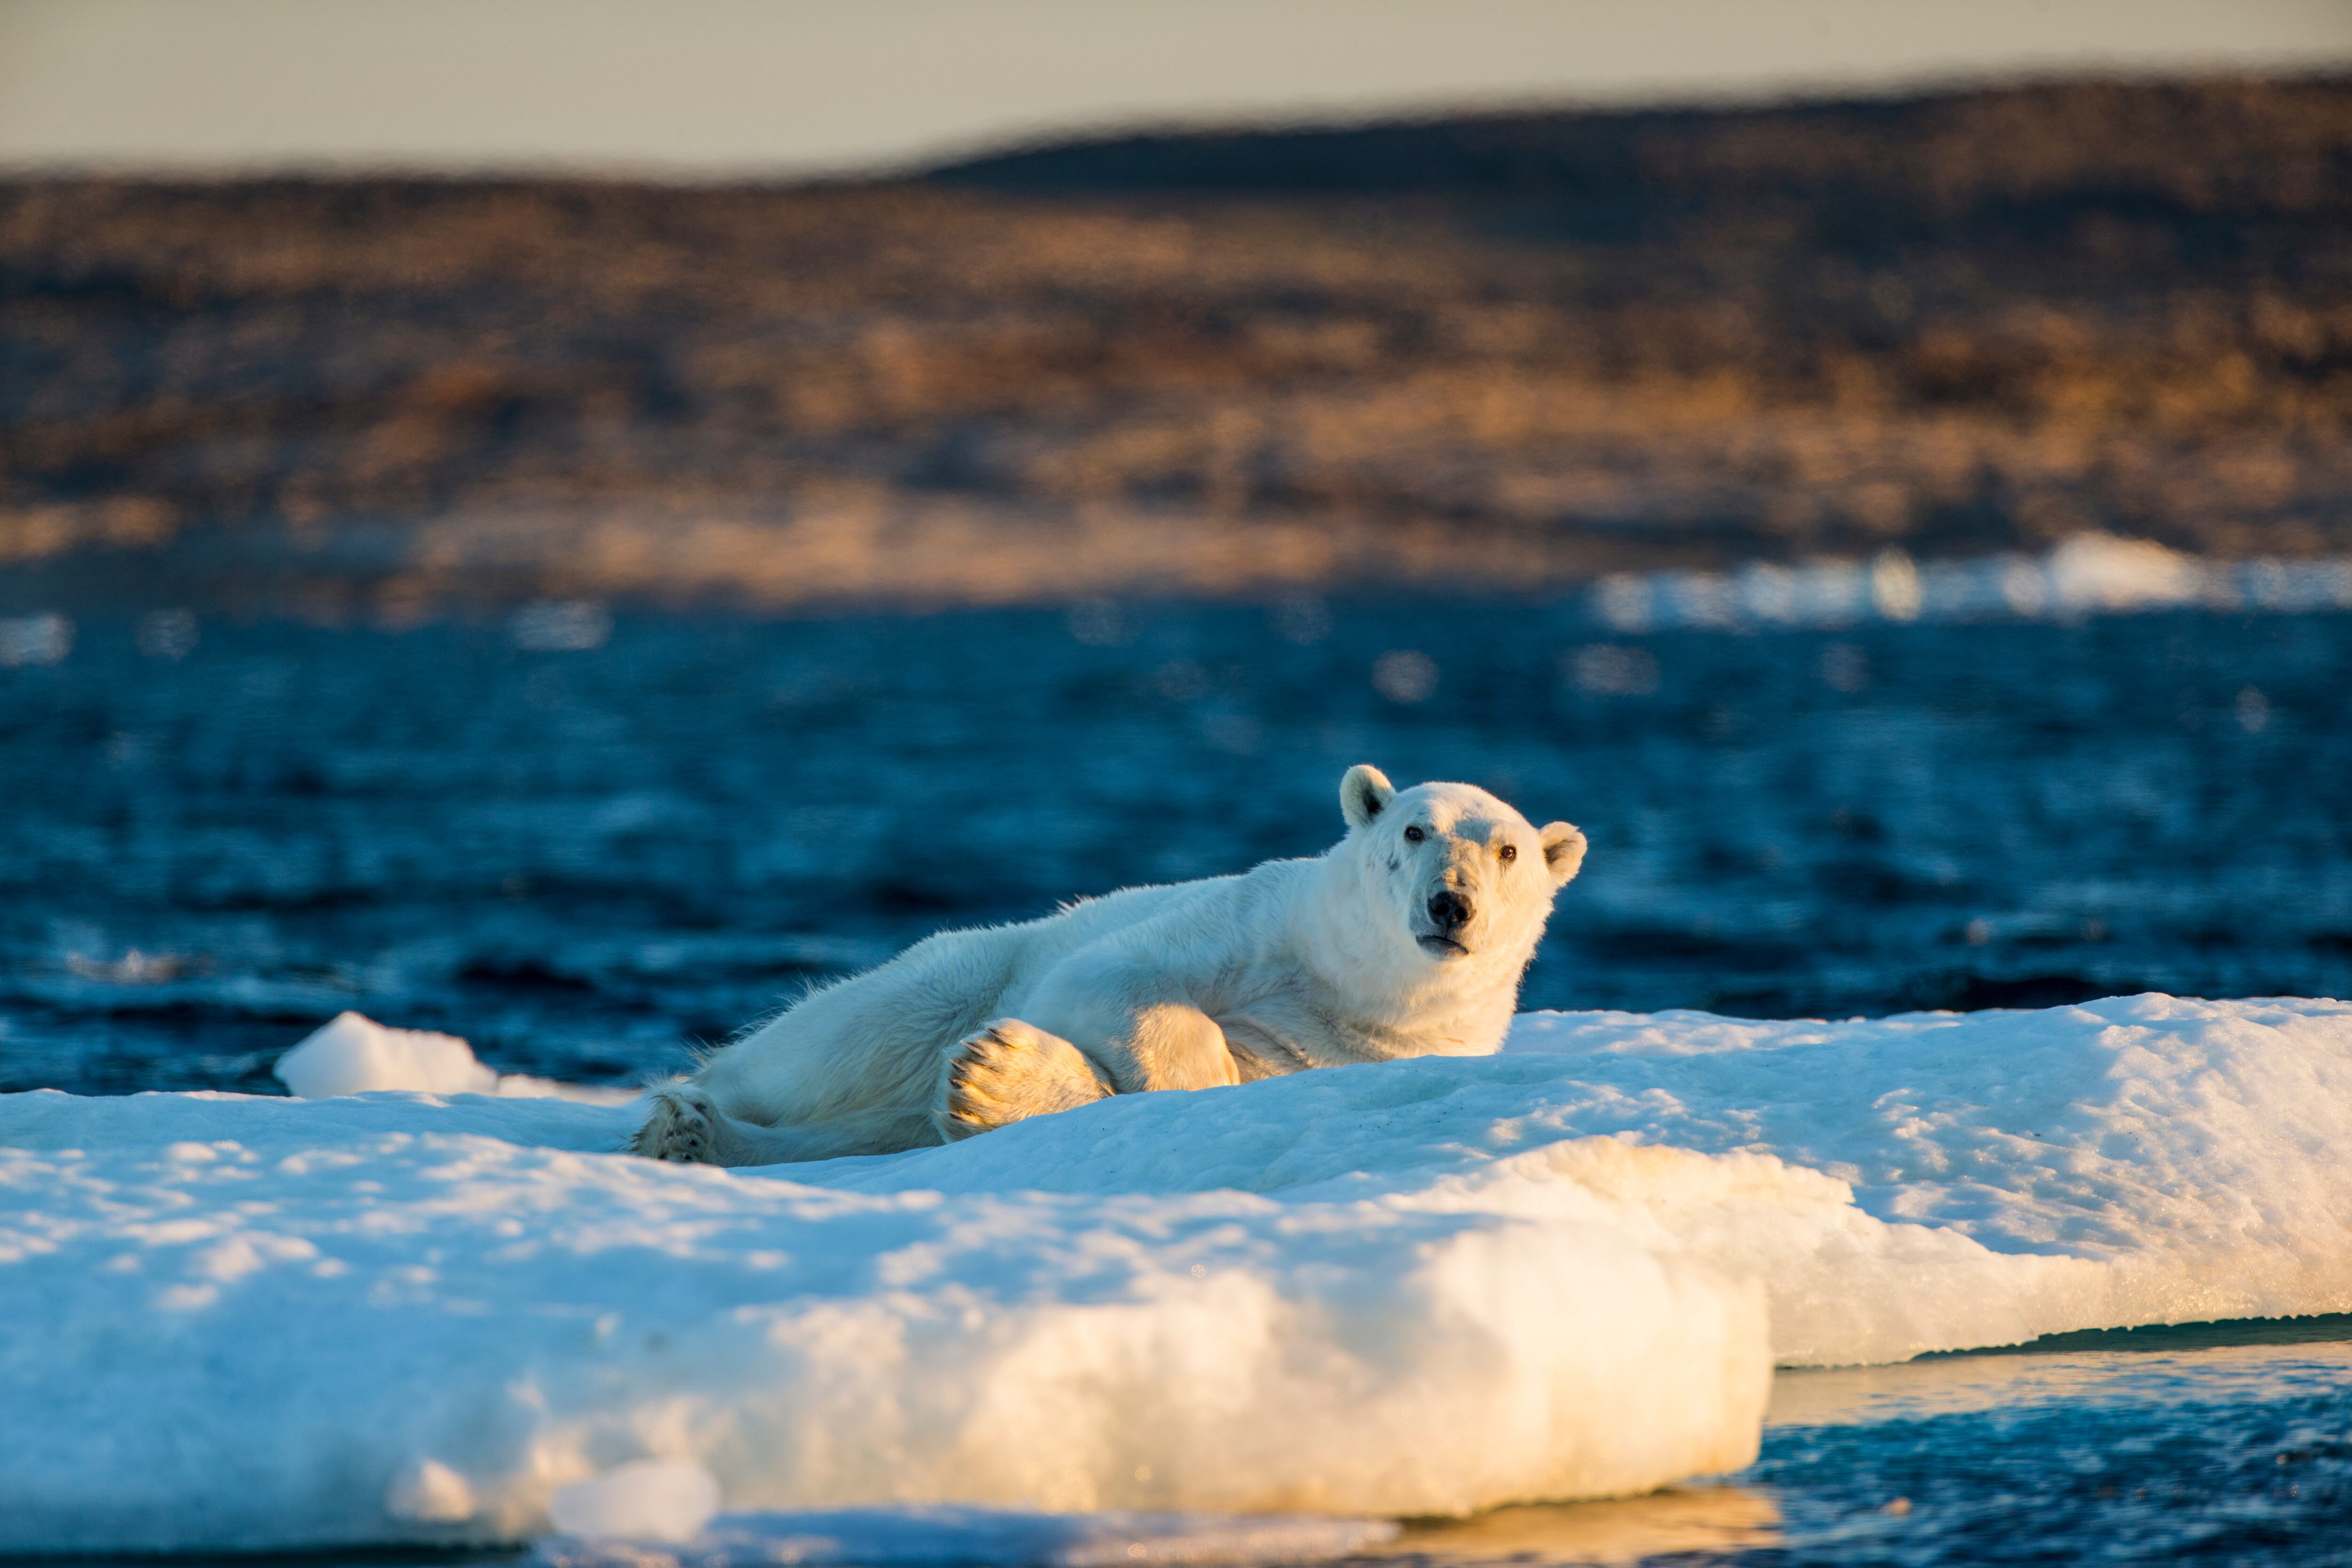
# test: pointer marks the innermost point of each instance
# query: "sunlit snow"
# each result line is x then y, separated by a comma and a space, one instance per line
1420, 1288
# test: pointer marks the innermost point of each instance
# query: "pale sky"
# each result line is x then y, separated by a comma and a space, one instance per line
784, 87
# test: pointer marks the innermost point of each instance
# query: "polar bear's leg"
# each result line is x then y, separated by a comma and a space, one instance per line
1009, 1071
681, 1126
685, 1125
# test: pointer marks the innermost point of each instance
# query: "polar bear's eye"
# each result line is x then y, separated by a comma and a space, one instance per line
1508, 852
1413, 836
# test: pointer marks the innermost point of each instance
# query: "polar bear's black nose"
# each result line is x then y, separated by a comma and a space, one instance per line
1448, 908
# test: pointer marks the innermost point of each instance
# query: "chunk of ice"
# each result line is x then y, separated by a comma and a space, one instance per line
351, 1054
354, 1054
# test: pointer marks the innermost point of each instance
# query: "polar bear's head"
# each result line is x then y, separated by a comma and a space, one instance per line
1465, 875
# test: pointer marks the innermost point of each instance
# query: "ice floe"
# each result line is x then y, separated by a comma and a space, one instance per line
248, 1322
1421, 1287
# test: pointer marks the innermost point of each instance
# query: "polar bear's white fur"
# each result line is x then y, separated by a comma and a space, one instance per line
1406, 939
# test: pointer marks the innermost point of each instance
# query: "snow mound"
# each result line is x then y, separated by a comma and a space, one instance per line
936, 1537
351, 1054
355, 1055
1422, 1288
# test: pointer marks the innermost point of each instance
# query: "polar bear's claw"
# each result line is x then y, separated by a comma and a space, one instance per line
1010, 1071
681, 1126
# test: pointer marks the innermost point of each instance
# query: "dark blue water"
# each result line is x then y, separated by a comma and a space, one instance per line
2227, 1454
587, 860
2236, 1455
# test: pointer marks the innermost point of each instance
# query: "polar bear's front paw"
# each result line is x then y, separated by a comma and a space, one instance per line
1010, 1071
681, 1125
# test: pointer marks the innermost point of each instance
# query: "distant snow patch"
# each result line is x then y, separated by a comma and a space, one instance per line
35, 639
561, 625
2086, 574
2101, 572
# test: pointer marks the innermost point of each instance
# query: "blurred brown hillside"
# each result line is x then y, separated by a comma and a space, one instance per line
1505, 351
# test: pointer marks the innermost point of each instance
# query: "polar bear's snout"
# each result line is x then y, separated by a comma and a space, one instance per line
1448, 912
1450, 899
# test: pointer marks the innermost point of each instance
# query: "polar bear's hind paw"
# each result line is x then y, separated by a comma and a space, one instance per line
681, 1126
1010, 1071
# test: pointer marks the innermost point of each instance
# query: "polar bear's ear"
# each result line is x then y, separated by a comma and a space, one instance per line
1363, 793
1563, 845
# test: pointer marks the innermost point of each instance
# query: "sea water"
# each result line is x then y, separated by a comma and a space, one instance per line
586, 852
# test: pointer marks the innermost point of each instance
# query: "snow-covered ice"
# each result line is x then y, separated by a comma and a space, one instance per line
253, 1323
1424, 1286
1928, 1182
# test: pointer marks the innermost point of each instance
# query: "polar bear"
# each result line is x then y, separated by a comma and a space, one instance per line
1406, 939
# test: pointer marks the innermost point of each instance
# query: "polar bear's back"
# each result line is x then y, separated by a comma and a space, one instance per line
879, 1038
